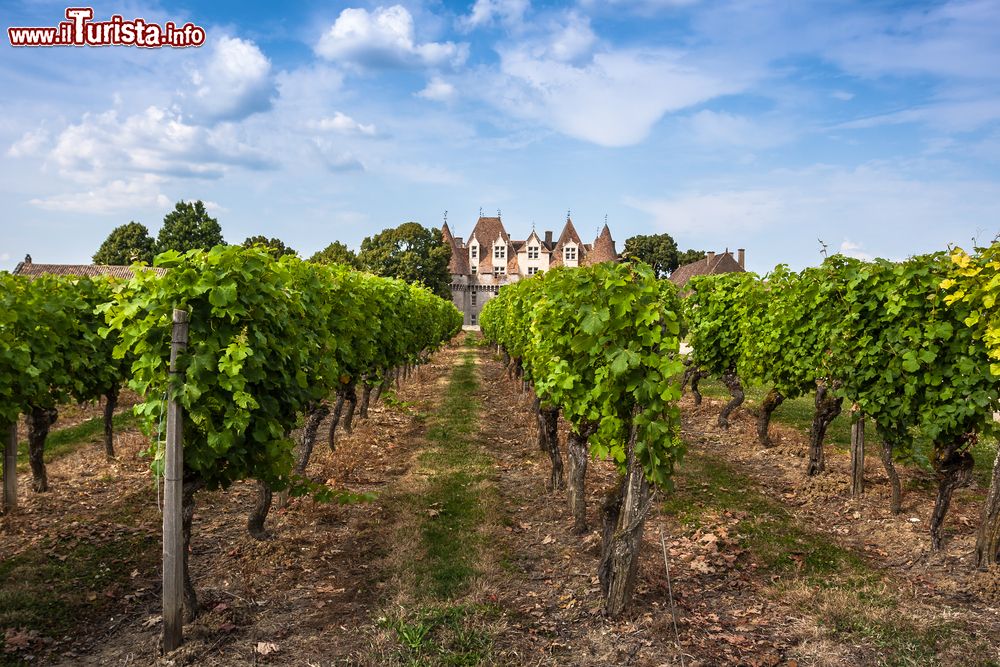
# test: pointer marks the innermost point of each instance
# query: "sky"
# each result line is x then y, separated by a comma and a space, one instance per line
870, 128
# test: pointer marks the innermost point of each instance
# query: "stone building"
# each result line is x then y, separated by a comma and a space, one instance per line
713, 263
490, 259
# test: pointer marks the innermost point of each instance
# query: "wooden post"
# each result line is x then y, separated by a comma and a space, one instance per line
173, 483
858, 455
10, 470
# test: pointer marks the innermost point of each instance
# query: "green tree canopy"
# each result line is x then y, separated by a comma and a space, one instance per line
410, 252
126, 244
189, 227
689, 256
336, 253
657, 250
275, 246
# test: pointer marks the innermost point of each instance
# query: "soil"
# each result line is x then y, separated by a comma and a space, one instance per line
319, 591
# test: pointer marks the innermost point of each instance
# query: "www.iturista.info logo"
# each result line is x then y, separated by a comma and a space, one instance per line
81, 30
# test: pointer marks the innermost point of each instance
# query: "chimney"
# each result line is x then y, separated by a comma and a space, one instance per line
27, 259
711, 257
548, 238
742, 255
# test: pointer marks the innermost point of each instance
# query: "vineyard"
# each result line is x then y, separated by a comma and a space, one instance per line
565, 488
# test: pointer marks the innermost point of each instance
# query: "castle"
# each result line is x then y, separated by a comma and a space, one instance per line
490, 259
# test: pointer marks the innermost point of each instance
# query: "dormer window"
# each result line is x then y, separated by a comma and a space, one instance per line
500, 271
474, 252
569, 254
532, 252
532, 270
499, 252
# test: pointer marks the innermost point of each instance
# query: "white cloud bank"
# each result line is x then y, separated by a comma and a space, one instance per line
233, 83
384, 37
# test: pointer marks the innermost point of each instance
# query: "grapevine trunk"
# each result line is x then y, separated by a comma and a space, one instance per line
772, 400
550, 431
259, 512
988, 537
828, 407
732, 382
39, 422
577, 449
110, 404
332, 437
953, 467
896, 504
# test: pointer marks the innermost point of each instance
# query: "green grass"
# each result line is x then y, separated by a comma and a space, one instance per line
442, 629
847, 595
68, 440
797, 413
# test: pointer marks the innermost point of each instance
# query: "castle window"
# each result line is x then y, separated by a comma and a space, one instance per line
473, 320
473, 297
474, 268
499, 270
532, 252
499, 252
532, 270
474, 252
569, 254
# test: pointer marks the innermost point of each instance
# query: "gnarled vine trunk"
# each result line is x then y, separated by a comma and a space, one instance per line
259, 511
39, 422
988, 536
857, 455
366, 395
352, 404
578, 454
696, 377
332, 435
624, 517
953, 468
770, 403
732, 382
550, 431
110, 403
190, 487
314, 418
896, 504
828, 407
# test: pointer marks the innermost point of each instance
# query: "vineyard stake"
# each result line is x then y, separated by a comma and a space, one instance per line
670, 594
10, 470
173, 480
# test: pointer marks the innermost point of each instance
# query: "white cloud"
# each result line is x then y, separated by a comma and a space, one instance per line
343, 124
711, 213
123, 194
154, 141
612, 101
485, 12
842, 95
572, 40
438, 90
384, 38
718, 128
849, 248
30, 144
234, 83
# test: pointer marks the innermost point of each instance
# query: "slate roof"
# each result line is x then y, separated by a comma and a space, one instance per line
721, 263
89, 270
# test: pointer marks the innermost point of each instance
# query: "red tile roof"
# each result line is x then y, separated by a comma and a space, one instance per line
603, 249
720, 263
568, 234
459, 263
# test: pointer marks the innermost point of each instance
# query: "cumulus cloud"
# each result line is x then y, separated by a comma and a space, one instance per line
849, 248
486, 12
438, 90
234, 83
613, 100
30, 144
122, 194
343, 124
384, 37
156, 141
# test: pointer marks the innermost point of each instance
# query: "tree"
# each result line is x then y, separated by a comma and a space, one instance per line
336, 253
689, 256
410, 252
275, 246
126, 244
189, 227
657, 250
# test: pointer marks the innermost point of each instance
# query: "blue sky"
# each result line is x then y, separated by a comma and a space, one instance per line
874, 126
